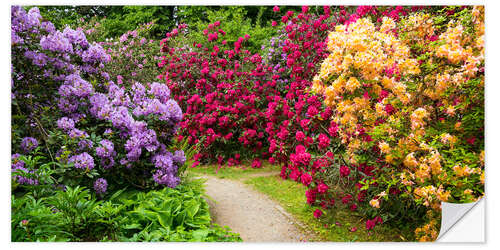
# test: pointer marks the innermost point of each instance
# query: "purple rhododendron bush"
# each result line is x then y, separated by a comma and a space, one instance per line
376, 110
66, 107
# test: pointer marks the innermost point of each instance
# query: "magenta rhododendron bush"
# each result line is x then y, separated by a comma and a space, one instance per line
223, 90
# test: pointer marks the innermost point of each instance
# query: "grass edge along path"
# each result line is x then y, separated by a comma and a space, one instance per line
341, 225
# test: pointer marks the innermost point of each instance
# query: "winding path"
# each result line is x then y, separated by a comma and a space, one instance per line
251, 214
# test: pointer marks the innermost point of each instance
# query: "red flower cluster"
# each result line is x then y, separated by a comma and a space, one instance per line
370, 224
318, 213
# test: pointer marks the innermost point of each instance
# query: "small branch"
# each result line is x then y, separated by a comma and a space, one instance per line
46, 135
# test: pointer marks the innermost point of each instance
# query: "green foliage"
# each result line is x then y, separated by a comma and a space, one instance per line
189, 152
179, 214
76, 207
33, 220
73, 16
235, 21
41, 170
257, 15
120, 19
116, 20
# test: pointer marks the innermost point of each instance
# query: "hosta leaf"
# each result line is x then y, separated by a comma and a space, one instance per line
165, 218
200, 234
132, 226
180, 218
192, 208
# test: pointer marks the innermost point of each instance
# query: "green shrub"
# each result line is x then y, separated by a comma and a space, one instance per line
179, 214
33, 220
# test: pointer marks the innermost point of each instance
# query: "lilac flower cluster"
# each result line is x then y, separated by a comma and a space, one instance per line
56, 42
23, 179
65, 123
160, 91
76, 37
166, 173
76, 133
48, 26
23, 22
18, 167
95, 54
28, 144
75, 86
140, 138
161, 106
71, 93
179, 158
100, 186
83, 161
106, 150
107, 153
85, 145
277, 58
52, 49
39, 59
115, 106
16, 162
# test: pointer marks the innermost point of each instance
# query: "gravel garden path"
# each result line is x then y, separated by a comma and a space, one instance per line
251, 214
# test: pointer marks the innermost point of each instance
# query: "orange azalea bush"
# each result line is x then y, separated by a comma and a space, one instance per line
416, 87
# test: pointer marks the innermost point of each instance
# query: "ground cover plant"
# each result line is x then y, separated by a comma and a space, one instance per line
378, 111
179, 214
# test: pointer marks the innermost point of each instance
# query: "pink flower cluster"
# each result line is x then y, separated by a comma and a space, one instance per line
370, 224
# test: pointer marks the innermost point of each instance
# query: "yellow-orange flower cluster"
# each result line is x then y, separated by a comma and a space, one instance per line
414, 95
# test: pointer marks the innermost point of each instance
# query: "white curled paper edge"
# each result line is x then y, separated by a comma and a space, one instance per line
471, 230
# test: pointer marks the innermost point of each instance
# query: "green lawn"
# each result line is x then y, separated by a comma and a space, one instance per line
233, 172
291, 196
